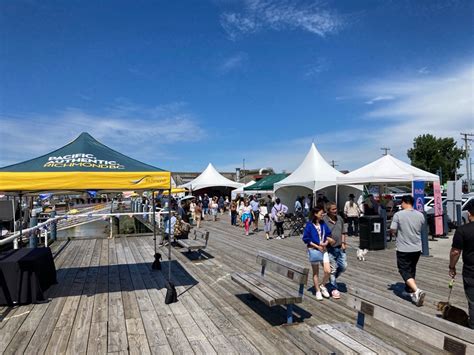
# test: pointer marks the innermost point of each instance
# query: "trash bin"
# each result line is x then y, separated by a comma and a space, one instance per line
371, 234
431, 224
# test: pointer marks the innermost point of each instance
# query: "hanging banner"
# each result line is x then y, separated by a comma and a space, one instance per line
419, 195
438, 208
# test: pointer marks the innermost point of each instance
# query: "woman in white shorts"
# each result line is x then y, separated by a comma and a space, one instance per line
316, 236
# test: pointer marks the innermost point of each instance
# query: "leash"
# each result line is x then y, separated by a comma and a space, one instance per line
450, 285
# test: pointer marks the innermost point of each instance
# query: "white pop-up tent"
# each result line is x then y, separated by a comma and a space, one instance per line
313, 175
240, 190
385, 170
210, 177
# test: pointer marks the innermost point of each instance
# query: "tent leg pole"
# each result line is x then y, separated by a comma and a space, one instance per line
153, 217
15, 242
169, 234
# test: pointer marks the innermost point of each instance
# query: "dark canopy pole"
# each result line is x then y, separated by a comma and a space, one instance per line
169, 233
153, 217
21, 221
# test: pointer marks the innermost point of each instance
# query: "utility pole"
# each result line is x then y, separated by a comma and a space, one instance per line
466, 147
333, 163
385, 149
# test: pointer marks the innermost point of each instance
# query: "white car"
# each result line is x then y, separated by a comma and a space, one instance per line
466, 200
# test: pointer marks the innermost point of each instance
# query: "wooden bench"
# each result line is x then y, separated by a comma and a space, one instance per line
199, 242
346, 338
407, 318
271, 292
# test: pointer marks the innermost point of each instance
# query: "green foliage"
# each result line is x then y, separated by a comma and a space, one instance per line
431, 153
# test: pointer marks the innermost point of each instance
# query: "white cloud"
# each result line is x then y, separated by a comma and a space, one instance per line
232, 63
441, 105
424, 70
379, 98
320, 65
145, 131
258, 15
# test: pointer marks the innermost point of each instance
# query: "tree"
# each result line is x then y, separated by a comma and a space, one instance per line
431, 153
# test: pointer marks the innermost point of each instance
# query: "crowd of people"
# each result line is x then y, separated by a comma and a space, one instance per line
326, 231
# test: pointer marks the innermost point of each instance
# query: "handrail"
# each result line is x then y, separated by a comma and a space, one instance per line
27, 231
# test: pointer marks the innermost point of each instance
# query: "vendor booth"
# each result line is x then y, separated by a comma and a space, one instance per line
313, 176
82, 165
211, 182
265, 185
383, 171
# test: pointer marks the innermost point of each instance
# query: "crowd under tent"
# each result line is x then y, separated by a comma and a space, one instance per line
210, 181
313, 176
386, 170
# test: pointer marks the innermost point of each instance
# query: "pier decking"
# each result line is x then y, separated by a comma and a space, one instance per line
108, 300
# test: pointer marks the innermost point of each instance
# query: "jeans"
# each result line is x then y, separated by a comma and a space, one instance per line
205, 210
469, 290
233, 218
279, 228
353, 226
338, 263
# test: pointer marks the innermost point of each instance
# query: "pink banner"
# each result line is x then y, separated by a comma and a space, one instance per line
438, 209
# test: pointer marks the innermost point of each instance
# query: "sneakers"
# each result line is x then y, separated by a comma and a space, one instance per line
324, 291
278, 238
335, 294
418, 297
319, 296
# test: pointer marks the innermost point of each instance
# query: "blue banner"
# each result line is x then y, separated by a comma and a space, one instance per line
419, 195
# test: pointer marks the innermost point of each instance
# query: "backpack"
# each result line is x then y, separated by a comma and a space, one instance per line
280, 215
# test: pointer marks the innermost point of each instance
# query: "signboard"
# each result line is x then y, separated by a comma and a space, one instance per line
419, 195
454, 196
438, 208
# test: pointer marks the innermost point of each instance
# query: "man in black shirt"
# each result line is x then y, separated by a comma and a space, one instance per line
463, 242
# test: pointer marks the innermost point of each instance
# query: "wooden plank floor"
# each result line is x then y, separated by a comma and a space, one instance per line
108, 300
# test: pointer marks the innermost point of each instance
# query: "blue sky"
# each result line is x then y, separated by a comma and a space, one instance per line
181, 84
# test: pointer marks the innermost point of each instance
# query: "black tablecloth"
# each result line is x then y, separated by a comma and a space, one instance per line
25, 274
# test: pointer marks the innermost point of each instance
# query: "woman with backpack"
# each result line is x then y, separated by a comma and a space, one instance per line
279, 211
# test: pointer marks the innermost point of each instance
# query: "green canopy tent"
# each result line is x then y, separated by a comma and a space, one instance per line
266, 184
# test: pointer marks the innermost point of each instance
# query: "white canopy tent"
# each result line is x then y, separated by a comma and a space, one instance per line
240, 190
210, 177
384, 170
313, 175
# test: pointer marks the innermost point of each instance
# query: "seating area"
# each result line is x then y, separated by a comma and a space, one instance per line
197, 243
274, 293
108, 299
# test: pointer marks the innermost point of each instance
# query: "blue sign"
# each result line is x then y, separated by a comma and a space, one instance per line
419, 195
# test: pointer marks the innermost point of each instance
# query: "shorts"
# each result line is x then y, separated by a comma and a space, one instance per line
406, 263
315, 256
256, 214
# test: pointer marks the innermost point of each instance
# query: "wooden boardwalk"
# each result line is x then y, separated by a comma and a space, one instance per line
108, 300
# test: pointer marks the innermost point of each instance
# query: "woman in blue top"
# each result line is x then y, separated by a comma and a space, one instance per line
316, 236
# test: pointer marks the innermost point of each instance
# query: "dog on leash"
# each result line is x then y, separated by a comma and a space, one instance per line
453, 314
361, 254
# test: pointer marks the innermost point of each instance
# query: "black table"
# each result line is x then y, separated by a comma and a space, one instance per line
25, 274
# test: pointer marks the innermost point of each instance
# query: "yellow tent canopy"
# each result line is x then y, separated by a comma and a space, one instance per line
83, 164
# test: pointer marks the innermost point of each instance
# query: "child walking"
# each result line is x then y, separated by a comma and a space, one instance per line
267, 225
